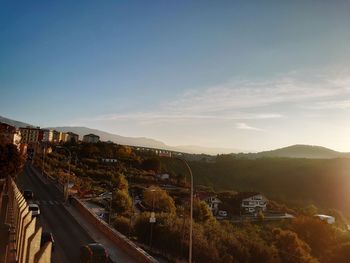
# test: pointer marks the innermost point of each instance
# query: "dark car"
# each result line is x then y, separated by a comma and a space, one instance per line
93, 253
47, 237
28, 194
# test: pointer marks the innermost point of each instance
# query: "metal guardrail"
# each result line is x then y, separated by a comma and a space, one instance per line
19, 237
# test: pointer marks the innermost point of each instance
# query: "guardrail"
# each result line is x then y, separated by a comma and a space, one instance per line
20, 239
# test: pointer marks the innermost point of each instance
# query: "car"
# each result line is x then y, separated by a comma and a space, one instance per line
93, 253
47, 237
28, 194
35, 209
222, 213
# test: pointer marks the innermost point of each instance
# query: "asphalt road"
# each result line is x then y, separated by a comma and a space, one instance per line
68, 234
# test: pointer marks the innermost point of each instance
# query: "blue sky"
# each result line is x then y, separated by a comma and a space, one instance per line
249, 75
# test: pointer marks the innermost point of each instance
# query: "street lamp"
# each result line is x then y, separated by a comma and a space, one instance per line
152, 219
70, 157
191, 206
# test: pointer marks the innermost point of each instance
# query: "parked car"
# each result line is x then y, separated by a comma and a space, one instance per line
93, 253
35, 209
47, 237
222, 213
28, 194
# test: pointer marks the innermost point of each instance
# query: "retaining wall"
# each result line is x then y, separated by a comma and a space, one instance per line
24, 242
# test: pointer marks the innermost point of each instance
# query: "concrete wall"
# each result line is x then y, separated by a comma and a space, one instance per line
25, 237
117, 238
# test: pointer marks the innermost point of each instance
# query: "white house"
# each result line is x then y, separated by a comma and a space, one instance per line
163, 176
251, 202
211, 200
329, 219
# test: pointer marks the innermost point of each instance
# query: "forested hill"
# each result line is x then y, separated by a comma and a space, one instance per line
299, 182
297, 151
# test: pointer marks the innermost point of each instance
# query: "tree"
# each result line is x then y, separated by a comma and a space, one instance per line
124, 151
151, 164
120, 182
121, 202
291, 248
159, 199
201, 211
339, 254
10, 160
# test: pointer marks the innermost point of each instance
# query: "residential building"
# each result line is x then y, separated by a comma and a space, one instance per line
109, 160
329, 219
91, 138
9, 134
62, 137
31, 135
55, 136
47, 135
211, 200
251, 202
163, 176
72, 137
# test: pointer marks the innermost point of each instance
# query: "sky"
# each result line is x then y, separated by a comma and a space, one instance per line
246, 75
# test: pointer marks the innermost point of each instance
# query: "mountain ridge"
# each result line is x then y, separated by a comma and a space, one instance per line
297, 151
293, 151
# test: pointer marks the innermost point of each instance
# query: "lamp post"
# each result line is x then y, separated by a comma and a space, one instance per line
152, 219
69, 160
44, 152
191, 206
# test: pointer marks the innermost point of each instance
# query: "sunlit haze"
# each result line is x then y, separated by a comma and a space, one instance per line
234, 74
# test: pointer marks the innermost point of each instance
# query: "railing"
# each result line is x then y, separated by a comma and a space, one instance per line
20, 239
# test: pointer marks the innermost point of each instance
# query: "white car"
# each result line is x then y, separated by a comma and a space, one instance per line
222, 213
34, 208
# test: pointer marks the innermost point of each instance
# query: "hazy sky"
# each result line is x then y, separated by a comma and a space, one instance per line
249, 75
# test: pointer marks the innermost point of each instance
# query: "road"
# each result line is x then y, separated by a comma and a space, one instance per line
67, 232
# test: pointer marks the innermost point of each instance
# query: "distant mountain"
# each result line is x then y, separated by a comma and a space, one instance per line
105, 136
200, 149
298, 151
294, 151
141, 141
13, 122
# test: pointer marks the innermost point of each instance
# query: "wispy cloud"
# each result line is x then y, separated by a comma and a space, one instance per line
327, 105
244, 126
246, 100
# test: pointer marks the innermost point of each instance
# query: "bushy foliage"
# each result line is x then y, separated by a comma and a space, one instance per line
10, 160
201, 211
123, 225
291, 248
159, 200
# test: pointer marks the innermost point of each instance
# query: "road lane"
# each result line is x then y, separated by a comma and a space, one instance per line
68, 233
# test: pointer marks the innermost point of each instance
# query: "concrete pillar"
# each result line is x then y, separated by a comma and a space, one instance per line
28, 231
33, 245
44, 255
25, 220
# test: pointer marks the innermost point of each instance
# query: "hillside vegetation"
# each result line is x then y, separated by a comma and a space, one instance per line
297, 182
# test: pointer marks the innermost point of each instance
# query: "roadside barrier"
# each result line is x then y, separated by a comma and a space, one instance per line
117, 238
22, 243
